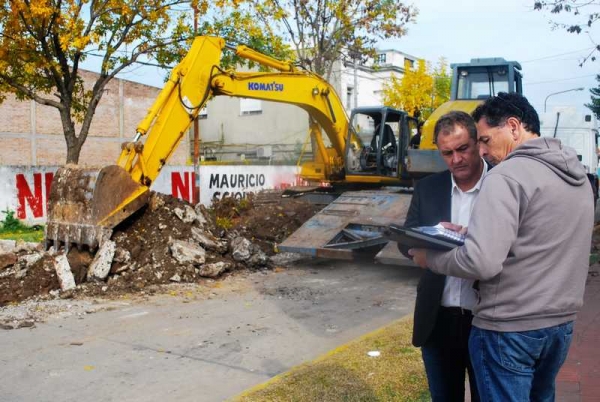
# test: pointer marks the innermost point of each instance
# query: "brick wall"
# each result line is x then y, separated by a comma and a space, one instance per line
32, 134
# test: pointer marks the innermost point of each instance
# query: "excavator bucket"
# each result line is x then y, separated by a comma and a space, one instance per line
86, 204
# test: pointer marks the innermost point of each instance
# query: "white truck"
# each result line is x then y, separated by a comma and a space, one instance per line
577, 130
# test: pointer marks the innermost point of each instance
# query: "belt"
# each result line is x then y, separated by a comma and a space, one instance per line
455, 311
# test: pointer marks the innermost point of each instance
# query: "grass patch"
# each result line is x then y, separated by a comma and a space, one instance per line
13, 229
349, 374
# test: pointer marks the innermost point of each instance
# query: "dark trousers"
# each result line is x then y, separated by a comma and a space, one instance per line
446, 356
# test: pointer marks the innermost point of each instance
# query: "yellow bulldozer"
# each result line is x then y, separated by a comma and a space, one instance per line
369, 148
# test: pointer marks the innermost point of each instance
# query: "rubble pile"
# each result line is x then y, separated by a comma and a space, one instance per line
168, 241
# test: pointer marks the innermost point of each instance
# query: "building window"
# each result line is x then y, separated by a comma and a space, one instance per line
410, 63
203, 114
380, 59
349, 94
250, 106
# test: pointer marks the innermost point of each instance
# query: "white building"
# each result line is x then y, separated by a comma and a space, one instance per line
252, 130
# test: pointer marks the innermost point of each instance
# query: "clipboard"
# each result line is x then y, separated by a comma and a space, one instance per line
429, 237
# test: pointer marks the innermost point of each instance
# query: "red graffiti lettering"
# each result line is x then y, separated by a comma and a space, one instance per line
24, 195
180, 187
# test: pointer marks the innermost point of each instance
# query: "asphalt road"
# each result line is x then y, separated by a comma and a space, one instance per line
203, 344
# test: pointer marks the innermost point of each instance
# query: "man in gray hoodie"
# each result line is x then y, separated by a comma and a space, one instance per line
528, 245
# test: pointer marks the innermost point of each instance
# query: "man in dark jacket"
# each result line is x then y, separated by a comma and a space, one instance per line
442, 319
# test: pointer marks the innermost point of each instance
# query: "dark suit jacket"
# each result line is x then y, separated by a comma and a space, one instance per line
431, 203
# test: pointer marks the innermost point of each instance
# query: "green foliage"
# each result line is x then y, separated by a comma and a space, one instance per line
13, 228
244, 204
323, 32
10, 223
420, 90
224, 223
594, 106
42, 45
586, 12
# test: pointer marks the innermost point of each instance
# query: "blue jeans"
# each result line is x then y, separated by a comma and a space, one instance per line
519, 366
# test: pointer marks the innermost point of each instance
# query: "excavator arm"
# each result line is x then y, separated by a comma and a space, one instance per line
85, 205
198, 78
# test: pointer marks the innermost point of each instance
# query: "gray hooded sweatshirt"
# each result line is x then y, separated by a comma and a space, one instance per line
528, 240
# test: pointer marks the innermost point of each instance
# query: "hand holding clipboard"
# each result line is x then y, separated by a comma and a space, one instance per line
429, 237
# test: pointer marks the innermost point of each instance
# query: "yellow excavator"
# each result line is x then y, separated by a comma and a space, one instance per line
369, 148
86, 204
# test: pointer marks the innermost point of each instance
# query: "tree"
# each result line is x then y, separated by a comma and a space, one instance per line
442, 80
578, 9
324, 31
594, 106
44, 42
419, 91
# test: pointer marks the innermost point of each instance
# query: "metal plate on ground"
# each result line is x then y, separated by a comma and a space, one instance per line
368, 211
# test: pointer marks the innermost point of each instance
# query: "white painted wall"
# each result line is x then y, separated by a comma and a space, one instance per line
25, 190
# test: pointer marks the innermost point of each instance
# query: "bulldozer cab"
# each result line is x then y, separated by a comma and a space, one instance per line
383, 135
485, 77
472, 83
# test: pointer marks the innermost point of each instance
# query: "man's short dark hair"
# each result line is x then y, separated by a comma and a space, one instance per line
498, 108
447, 122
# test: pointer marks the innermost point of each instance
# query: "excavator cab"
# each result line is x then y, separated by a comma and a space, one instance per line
383, 135
483, 78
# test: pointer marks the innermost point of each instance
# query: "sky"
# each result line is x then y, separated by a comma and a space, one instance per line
461, 30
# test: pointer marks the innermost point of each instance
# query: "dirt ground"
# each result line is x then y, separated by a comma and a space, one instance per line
145, 259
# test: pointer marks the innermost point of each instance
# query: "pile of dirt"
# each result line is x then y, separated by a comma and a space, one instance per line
18, 282
265, 218
167, 241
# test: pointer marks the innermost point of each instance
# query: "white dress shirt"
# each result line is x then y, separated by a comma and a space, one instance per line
459, 292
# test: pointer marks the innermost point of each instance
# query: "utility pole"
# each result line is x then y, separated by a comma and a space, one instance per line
196, 186
560, 92
355, 81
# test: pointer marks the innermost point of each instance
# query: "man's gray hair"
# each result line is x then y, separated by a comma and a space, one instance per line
447, 122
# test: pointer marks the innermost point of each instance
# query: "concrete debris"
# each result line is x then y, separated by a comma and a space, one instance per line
20, 273
215, 269
186, 214
26, 324
155, 202
169, 241
185, 252
121, 255
63, 271
122, 268
201, 214
240, 249
209, 242
100, 266
21, 245
7, 246
284, 259
27, 260
258, 258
